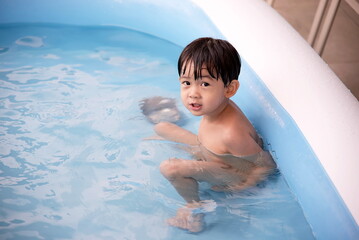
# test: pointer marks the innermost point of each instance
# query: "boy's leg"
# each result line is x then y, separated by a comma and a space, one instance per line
184, 174
187, 188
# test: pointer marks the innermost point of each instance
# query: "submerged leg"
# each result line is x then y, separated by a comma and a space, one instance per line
187, 187
184, 176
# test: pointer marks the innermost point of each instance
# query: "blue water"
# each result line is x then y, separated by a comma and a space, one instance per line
74, 162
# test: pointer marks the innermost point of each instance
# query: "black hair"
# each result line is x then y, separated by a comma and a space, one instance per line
219, 57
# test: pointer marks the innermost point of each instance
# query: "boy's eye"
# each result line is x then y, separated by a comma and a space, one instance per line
205, 84
186, 83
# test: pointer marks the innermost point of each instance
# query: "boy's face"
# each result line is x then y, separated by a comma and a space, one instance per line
204, 96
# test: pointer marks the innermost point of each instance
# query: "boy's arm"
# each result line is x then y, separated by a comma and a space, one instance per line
172, 132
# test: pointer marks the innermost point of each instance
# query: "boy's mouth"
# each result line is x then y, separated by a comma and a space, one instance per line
195, 106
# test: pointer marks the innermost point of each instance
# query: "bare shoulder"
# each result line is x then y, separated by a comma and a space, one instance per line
239, 135
237, 123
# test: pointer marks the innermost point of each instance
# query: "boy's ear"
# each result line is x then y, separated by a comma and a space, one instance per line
232, 88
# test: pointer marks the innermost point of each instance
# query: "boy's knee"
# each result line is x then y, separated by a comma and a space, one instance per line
169, 169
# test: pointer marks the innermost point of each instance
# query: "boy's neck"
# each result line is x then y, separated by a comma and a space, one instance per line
217, 115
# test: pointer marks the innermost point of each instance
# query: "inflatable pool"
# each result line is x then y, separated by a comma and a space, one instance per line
303, 111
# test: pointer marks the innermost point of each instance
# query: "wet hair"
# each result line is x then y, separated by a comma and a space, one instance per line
219, 57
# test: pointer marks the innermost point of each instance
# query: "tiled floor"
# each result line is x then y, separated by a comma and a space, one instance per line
341, 52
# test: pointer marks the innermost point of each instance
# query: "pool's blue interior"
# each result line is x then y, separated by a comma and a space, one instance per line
179, 22
74, 162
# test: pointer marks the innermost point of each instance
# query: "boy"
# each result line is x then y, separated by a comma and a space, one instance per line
231, 157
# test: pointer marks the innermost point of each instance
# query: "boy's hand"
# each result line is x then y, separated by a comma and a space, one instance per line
154, 137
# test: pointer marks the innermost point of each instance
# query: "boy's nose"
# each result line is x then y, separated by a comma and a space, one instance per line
194, 93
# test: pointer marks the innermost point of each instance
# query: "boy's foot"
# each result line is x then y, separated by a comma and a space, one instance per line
186, 218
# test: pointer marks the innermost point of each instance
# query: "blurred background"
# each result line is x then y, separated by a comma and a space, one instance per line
332, 28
